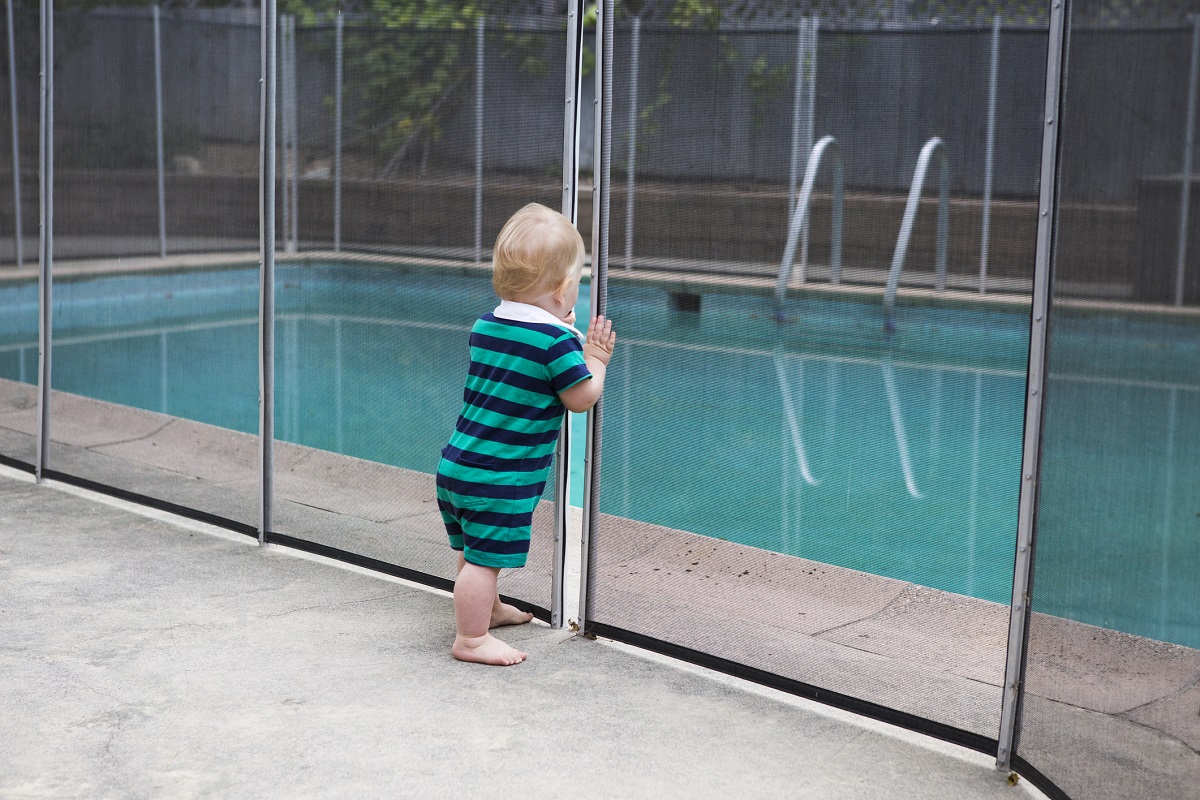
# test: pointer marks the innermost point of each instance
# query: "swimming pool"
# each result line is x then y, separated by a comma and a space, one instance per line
824, 437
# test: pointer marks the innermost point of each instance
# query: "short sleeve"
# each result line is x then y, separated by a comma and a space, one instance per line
565, 366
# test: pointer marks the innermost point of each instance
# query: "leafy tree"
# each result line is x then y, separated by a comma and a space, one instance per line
410, 63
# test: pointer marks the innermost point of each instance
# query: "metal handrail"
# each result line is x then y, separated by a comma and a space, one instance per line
799, 221
934, 145
897, 415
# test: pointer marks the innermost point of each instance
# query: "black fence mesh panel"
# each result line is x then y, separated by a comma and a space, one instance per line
759, 117
18, 282
210, 134
372, 340
894, 13
1110, 709
107, 129
155, 372
808, 487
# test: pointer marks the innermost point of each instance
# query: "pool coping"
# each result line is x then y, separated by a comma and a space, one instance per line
671, 275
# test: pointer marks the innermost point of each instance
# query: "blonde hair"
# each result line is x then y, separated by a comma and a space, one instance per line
537, 251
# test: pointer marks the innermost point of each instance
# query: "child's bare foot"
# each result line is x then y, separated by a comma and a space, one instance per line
504, 614
486, 649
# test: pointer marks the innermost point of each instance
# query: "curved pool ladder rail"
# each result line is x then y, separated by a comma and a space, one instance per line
798, 227
793, 418
897, 415
934, 146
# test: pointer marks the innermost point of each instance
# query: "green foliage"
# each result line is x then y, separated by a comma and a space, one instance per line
695, 14
409, 64
406, 78
766, 83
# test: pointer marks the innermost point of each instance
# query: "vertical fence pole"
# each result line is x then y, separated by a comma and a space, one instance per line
18, 228
294, 130
163, 372
479, 41
803, 102
1034, 390
602, 166
269, 34
810, 111
635, 58
1186, 177
990, 157
285, 187
337, 135
803, 109
288, 125
1164, 578
158, 133
570, 210
338, 391
797, 122
46, 238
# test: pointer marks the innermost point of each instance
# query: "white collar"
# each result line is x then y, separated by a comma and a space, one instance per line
527, 312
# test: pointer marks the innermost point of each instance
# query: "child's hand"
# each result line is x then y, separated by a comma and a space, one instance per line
600, 340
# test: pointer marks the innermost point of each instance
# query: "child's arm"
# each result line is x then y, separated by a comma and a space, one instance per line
597, 350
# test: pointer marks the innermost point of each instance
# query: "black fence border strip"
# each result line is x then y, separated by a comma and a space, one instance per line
863, 708
17, 464
281, 539
386, 568
151, 502
1038, 778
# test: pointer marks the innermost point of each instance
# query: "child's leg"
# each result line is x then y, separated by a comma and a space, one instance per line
474, 599
502, 613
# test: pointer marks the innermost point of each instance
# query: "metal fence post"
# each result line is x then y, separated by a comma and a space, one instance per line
285, 209
570, 209
288, 123
803, 108
479, 42
294, 124
19, 245
635, 58
602, 166
1018, 625
158, 133
337, 135
1186, 177
266, 248
46, 238
990, 157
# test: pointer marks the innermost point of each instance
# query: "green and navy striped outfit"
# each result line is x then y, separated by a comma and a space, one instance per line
494, 470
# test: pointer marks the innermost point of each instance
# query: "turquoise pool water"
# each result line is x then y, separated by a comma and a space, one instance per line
822, 437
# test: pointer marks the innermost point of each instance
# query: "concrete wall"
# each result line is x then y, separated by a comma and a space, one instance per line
741, 228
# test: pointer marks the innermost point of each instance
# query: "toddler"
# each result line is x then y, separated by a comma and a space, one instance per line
528, 364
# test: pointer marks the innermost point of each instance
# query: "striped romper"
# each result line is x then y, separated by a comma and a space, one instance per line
494, 470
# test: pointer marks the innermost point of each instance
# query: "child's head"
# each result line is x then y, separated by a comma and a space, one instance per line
537, 252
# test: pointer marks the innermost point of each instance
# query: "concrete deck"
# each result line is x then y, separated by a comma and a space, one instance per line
147, 656
1094, 696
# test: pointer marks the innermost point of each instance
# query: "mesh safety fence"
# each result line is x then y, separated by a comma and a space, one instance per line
1111, 693
809, 479
154, 359
372, 340
812, 487
18, 281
